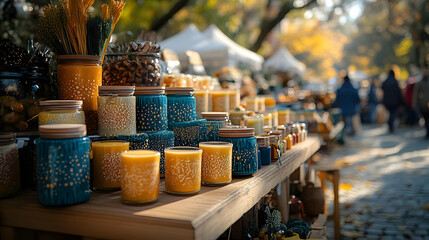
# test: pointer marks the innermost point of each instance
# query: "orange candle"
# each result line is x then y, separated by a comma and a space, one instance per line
140, 176
219, 101
216, 164
106, 164
183, 170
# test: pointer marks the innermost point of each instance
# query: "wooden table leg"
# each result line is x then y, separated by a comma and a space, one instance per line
337, 205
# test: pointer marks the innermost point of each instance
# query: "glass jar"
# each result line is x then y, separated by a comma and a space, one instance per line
275, 145
268, 119
216, 165
20, 91
274, 116
173, 80
189, 133
63, 160
61, 112
283, 116
252, 104
183, 170
116, 111
265, 148
159, 141
304, 130
9, 165
244, 150
215, 121
78, 79
151, 109
106, 164
181, 105
234, 99
289, 138
291, 126
219, 101
237, 117
132, 69
139, 176
202, 101
255, 121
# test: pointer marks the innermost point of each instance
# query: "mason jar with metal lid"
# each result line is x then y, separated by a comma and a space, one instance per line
151, 109
215, 121
61, 112
244, 151
9, 162
63, 154
181, 104
116, 111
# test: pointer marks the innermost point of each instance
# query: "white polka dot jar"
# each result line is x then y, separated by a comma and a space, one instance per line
62, 164
116, 111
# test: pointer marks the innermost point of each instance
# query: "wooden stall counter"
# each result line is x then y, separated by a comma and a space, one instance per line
205, 215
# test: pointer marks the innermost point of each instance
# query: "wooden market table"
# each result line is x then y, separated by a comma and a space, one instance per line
205, 215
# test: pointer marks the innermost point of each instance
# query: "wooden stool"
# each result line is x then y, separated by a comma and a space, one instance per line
331, 173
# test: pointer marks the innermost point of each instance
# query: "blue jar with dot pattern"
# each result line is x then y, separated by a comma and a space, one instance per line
63, 154
189, 133
244, 150
151, 109
159, 141
181, 105
215, 121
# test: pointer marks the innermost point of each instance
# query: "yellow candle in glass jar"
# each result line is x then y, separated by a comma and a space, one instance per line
216, 163
219, 101
283, 116
183, 170
202, 100
256, 122
252, 104
234, 99
106, 164
140, 176
268, 119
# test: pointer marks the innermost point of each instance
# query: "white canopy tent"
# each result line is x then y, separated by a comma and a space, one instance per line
284, 61
213, 54
237, 55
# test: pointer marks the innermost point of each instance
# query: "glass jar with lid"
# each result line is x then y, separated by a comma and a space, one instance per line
202, 100
116, 111
181, 105
63, 174
151, 109
219, 100
132, 69
61, 112
255, 121
215, 121
244, 150
9, 165
265, 147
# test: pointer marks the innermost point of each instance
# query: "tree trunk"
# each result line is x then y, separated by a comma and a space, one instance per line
159, 23
268, 25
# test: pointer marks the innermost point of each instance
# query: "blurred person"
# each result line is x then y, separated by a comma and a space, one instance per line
372, 102
421, 97
348, 101
412, 116
392, 98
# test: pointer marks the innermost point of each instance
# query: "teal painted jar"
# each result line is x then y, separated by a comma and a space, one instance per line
63, 154
215, 121
244, 150
189, 133
159, 141
181, 105
151, 109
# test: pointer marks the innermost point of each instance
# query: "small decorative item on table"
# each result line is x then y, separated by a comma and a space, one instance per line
234, 99
244, 151
140, 176
181, 105
116, 111
275, 146
268, 119
216, 166
106, 164
282, 130
183, 170
274, 116
189, 133
304, 131
63, 154
289, 138
202, 100
132, 64
261, 104
61, 112
9, 165
265, 148
237, 116
219, 100
215, 121
151, 109
252, 104
255, 121
79, 77
159, 141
